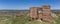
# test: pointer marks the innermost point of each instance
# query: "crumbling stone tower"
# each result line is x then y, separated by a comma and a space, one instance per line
46, 13
33, 13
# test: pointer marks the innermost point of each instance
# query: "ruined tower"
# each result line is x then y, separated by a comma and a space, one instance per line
46, 13
33, 13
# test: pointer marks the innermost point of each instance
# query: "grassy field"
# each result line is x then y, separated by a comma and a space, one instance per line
57, 20
25, 20
21, 20
5, 19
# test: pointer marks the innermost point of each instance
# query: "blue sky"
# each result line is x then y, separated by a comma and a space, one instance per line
26, 4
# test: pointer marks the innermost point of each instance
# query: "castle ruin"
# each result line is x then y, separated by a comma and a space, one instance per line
43, 13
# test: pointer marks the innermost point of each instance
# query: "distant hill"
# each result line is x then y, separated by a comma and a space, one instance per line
56, 11
18, 11
14, 11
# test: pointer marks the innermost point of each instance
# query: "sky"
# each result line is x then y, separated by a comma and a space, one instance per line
26, 4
